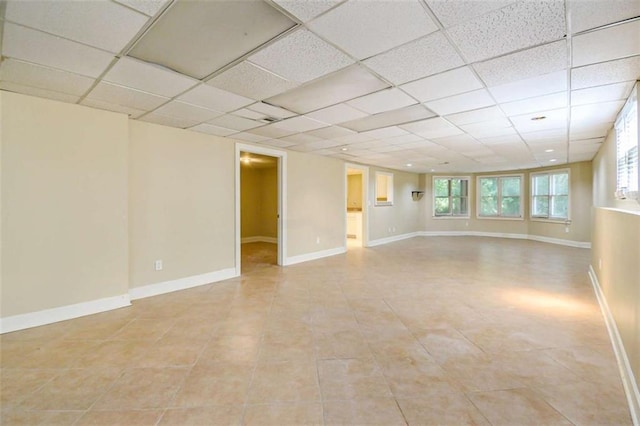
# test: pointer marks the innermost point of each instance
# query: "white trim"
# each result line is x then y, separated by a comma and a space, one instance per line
181, 283
628, 381
259, 239
62, 313
499, 196
387, 240
531, 195
569, 243
315, 255
282, 200
433, 197
390, 195
365, 201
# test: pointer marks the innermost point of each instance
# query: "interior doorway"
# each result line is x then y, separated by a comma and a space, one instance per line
260, 181
356, 203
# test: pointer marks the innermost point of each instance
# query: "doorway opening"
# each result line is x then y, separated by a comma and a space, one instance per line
259, 208
356, 202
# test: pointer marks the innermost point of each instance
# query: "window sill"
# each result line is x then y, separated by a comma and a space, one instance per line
383, 203
499, 218
451, 217
558, 221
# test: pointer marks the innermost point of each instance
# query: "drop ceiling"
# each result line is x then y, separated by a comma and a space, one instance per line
445, 85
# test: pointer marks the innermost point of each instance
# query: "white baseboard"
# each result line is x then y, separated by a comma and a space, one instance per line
181, 283
313, 256
394, 238
628, 381
578, 244
259, 239
63, 313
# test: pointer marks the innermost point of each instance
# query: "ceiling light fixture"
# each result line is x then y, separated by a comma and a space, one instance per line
409, 164
540, 117
344, 149
553, 160
548, 150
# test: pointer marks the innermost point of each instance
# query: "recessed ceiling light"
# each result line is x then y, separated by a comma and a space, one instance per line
433, 170
553, 160
540, 117
548, 150
344, 149
409, 164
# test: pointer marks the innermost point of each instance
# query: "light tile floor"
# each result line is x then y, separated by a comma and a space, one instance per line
447, 331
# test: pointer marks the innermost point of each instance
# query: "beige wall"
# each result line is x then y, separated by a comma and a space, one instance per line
64, 204
315, 203
401, 217
581, 199
181, 203
259, 201
615, 256
354, 191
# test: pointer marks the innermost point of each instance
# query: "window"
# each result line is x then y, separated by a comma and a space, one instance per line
550, 195
500, 197
384, 189
627, 148
451, 197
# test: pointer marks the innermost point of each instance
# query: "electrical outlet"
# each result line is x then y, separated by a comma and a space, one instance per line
158, 265
600, 263
466, 224
566, 229
317, 240
393, 229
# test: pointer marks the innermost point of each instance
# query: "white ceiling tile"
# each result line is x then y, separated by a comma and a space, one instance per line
464, 102
389, 118
540, 103
431, 126
491, 128
502, 140
324, 144
589, 130
40, 48
149, 78
247, 113
180, 123
475, 116
307, 10
272, 131
212, 130
114, 94
607, 44
404, 139
99, 23
341, 86
148, 7
233, 122
300, 138
602, 112
301, 57
554, 119
609, 92
361, 27
251, 81
36, 91
605, 73
278, 143
384, 100
452, 13
530, 87
28, 74
213, 98
459, 142
575, 158
197, 38
584, 148
270, 110
387, 132
586, 15
337, 114
546, 136
518, 26
330, 132
587, 141
187, 111
299, 124
448, 83
421, 58
93, 103
528, 63
249, 137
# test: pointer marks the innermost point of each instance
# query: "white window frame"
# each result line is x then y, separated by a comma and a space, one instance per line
627, 149
433, 197
389, 189
499, 216
549, 218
